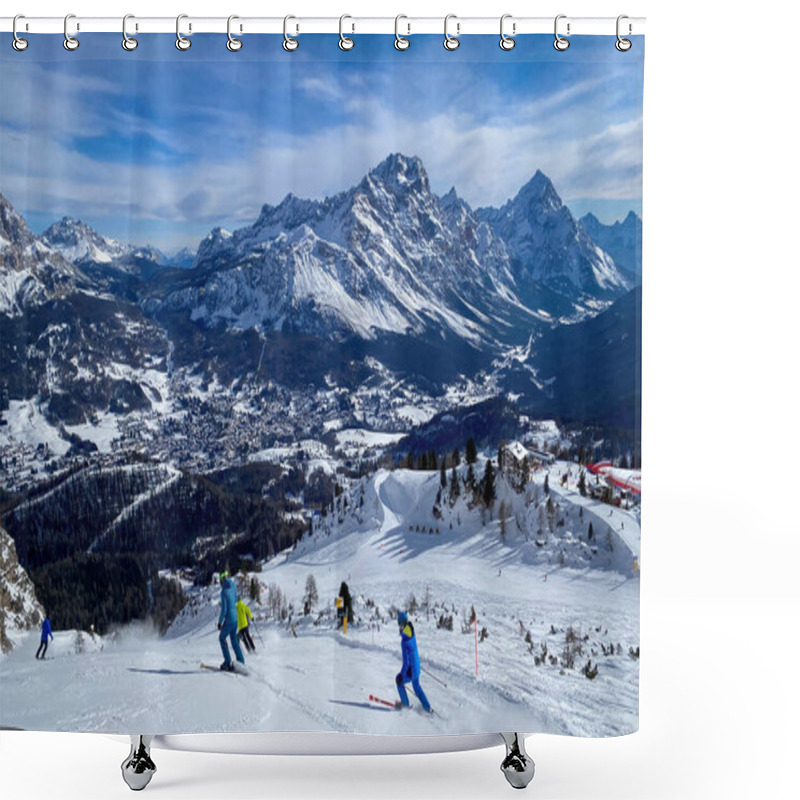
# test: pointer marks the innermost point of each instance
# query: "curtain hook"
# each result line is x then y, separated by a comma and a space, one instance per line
289, 44
233, 44
623, 45
19, 44
128, 42
345, 42
181, 42
507, 42
561, 43
70, 42
400, 42
451, 42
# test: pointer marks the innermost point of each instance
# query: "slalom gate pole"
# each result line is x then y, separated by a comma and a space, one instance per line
434, 677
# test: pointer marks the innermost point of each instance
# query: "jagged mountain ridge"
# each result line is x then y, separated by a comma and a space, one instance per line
20, 610
113, 265
64, 339
384, 257
548, 247
622, 241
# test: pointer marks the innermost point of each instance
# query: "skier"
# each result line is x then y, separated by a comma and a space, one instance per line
411, 669
228, 622
46, 631
242, 615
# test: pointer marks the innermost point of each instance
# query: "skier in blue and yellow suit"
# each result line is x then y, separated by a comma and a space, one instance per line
410, 669
228, 622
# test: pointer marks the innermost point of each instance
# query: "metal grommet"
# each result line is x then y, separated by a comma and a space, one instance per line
233, 44
400, 42
289, 44
623, 45
70, 42
507, 42
181, 42
128, 42
19, 44
451, 42
561, 44
345, 42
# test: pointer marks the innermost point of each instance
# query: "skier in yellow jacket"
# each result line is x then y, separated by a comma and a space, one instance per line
243, 614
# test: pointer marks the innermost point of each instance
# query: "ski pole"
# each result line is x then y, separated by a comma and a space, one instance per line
258, 633
434, 677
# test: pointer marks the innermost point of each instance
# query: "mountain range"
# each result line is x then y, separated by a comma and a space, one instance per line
383, 276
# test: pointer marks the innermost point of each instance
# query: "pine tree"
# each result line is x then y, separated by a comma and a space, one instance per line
472, 451
456, 457
442, 476
582, 484
489, 491
311, 596
547, 483
455, 489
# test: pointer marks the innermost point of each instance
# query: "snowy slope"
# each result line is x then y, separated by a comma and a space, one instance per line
306, 675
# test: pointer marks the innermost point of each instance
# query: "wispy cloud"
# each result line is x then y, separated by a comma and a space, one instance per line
175, 149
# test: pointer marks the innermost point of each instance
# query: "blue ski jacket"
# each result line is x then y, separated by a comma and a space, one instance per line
408, 643
46, 630
227, 613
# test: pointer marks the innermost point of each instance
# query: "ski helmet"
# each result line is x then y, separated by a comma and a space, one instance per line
402, 618
223, 576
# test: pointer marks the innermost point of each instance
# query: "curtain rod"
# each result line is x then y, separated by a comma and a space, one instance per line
459, 26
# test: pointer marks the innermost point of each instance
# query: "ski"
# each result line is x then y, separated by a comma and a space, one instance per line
237, 670
396, 704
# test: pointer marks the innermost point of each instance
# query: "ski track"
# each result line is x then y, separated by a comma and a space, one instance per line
321, 680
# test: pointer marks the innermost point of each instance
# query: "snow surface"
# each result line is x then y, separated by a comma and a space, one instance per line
317, 679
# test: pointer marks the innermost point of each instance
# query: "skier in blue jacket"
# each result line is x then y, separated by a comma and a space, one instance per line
46, 631
411, 669
228, 624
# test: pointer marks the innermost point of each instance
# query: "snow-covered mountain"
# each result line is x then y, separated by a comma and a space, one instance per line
79, 243
20, 611
183, 258
63, 339
622, 241
384, 257
31, 272
85, 247
548, 248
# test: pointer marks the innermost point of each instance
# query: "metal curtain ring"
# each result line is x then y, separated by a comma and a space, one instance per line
561, 43
451, 42
128, 42
70, 42
345, 42
506, 42
233, 44
181, 42
400, 42
289, 44
623, 45
19, 44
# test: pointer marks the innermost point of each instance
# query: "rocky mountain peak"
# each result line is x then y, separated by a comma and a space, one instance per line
20, 611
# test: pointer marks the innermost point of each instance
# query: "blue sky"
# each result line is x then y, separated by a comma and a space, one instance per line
159, 146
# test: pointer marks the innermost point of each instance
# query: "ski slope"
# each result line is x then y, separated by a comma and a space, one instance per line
308, 676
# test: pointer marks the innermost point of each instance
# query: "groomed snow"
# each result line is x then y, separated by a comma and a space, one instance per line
317, 679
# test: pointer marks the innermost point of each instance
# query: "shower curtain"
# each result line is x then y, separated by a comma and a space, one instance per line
320, 394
